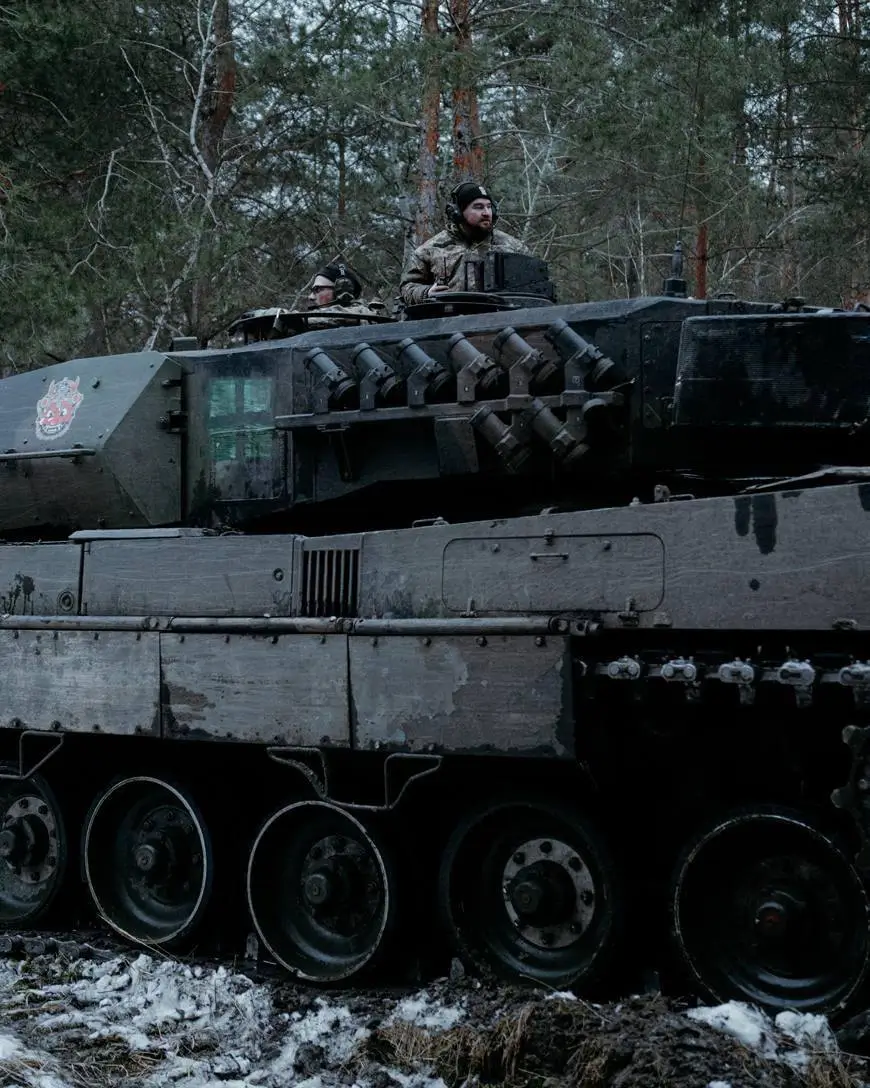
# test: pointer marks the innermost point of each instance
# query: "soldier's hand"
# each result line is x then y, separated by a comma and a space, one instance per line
438, 288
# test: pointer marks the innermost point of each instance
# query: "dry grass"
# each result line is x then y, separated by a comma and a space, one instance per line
111, 1066
515, 1051
105, 1062
832, 1071
93, 1073
491, 1054
587, 1067
454, 1053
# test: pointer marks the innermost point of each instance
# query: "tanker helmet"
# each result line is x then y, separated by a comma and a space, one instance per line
343, 280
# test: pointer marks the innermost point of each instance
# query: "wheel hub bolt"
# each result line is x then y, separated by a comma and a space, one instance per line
526, 896
771, 919
318, 889
145, 856
8, 842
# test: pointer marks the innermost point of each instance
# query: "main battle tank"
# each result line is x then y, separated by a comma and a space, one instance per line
536, 633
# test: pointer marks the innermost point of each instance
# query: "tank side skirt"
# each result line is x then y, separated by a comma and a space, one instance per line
504, 694
288, 691
80, 681
298, 625
488, 689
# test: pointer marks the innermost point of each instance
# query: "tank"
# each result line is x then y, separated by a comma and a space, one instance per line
531, 634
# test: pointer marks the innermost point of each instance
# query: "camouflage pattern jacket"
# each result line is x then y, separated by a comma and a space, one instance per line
443, 258
320, 319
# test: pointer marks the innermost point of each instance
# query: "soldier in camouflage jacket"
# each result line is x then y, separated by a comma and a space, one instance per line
335, 299
439, 264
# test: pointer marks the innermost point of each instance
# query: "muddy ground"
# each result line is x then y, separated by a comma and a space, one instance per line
80, 1015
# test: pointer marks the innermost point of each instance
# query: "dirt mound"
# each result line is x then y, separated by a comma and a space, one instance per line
643, 1042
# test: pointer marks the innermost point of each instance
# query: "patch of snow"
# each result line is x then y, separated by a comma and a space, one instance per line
807, 1030
9, 1047
414, 1080
786, 1039
561, 995
330, 1027
423, 1012
180, 1025
747, 1024
719, 1084
23, 1067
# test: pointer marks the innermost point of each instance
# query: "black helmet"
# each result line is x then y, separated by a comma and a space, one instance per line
344, 281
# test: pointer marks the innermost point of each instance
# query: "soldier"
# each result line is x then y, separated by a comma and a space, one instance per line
333, 302
337, 289
439, 264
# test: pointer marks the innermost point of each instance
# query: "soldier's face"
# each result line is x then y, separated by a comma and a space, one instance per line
322, 293
479, 213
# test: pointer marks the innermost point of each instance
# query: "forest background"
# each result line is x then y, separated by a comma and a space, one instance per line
167, 164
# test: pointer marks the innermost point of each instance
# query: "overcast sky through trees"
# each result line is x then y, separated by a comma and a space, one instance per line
165, 165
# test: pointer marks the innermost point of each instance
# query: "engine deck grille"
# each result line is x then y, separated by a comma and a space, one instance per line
330, 582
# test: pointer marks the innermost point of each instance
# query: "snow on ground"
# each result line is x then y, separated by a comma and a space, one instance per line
791, 1037
137, 1021
170, 1023
422, 1010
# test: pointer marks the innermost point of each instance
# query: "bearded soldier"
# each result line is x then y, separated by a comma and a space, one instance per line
439, 264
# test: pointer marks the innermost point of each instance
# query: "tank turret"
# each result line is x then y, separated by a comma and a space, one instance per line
478, 414
92, 442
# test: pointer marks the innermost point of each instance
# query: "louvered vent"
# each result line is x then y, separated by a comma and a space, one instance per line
330, 582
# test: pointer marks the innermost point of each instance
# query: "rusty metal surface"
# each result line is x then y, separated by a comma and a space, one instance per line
508, 694
553, 573
278, 690
189, 575
82, 682
39, 580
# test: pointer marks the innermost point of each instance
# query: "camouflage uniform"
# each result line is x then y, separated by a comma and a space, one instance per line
356, 308
443, 258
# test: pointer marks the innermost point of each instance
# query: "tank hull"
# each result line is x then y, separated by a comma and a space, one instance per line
576, 688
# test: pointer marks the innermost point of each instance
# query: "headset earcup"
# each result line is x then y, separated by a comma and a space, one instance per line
453, 213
